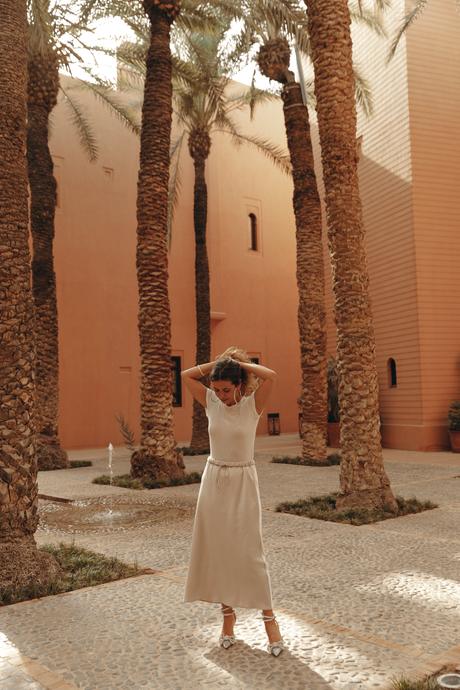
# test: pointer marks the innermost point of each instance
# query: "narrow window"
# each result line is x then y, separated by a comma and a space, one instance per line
254, 360
176, 381
253, 232
392, 376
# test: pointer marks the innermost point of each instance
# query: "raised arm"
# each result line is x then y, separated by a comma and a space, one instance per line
267, 376
191, 377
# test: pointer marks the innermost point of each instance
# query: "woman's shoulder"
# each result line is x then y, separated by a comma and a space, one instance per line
250, 403
211, 397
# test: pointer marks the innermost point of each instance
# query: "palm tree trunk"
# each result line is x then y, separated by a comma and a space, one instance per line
157, 457
20, 562
363, 480
42, 97
200, 438
273, 59
310, 276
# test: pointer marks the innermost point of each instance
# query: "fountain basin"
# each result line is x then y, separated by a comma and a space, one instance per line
109, 514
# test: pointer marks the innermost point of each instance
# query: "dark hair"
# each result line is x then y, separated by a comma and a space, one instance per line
227, 369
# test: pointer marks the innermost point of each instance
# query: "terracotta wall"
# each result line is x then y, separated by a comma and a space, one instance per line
409, 172
253, 294
386, 190
95, 266
434, 74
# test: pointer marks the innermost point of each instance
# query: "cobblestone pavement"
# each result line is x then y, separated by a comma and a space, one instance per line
357, 606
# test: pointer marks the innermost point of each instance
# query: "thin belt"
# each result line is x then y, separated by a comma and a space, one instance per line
223, 474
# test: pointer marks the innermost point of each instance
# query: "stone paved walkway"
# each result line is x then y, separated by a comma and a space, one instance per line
357, 605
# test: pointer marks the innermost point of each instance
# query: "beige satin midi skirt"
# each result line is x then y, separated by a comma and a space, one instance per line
227, 563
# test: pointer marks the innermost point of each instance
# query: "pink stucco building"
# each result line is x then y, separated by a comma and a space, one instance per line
409, 171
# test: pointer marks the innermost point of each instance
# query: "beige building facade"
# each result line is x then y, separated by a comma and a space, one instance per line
410, 164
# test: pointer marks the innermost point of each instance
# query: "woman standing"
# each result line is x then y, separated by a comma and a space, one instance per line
227, 562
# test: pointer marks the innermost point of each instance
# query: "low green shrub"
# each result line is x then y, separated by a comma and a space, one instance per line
324, 508
427, 683
80, 568
80, 463
453, 417
332, 459
125, 481
185, 450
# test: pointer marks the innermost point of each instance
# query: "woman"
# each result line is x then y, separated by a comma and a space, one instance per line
227, 562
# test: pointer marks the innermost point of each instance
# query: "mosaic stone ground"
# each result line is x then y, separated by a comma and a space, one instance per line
357, 606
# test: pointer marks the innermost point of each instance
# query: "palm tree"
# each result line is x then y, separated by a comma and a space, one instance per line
53, 29
204, 106
363, 480
157, 457
21, 564
273, 59
270, 25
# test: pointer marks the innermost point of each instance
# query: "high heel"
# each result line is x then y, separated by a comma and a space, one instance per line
277, 647
227, 641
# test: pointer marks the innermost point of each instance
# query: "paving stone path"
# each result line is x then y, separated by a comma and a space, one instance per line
357, 606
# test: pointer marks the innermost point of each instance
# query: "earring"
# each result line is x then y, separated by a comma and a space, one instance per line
234, 396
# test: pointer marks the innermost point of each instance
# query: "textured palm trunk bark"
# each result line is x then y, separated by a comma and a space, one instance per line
200, 438
363, 480
21, 564
273, 59
157, 457
42, 97
310, 276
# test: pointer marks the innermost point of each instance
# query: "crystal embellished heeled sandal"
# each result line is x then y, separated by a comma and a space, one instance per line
227, 641
277, 647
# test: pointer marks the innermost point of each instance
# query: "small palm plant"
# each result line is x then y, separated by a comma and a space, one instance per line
454, 416
453, 425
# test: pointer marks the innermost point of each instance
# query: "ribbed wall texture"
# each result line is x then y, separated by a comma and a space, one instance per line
434, 98
385, 180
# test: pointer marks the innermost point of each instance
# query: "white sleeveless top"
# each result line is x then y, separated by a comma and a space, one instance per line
232, 429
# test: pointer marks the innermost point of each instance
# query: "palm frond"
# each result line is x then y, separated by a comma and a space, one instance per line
363, 92
408, 20
277, 155
310, 93
126, 432
40, 26
108, 97
185, 71
373, 20
252, 97
174, 183
83, 127
382, 5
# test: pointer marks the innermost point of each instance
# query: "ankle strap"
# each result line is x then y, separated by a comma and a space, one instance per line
268, 618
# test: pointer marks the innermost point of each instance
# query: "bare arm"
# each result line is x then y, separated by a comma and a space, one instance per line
191, 377
267, 376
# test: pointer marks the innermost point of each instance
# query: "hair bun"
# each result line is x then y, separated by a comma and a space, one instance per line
250, 381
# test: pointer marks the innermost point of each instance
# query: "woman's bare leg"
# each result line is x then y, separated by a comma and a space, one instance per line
271, 627
229, 621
